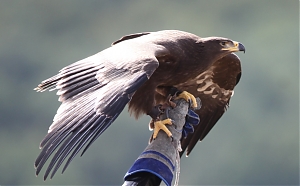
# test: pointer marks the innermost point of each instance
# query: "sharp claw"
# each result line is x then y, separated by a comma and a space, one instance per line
188, 97
190, 103
156, 111
170, 102
167, 112
161, 125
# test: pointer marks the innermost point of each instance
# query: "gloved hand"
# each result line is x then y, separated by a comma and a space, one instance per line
160, 160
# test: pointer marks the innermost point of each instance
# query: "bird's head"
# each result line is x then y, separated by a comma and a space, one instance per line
221, 46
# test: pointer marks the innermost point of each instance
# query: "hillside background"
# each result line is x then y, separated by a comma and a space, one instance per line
256, 142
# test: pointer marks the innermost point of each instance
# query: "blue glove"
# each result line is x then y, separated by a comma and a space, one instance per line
192, 119
159, 157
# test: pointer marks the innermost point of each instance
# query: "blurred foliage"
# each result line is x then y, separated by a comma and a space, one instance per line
255, 143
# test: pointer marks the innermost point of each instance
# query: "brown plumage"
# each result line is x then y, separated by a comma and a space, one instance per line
138, 69
214, 87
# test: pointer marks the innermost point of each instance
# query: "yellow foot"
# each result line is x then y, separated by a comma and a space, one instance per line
188, 97
161, 125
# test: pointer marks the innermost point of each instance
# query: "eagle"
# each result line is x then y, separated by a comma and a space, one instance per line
143, 71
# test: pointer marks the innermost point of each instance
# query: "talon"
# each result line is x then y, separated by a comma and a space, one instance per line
188, 97
170, 102
167, 112
161, 125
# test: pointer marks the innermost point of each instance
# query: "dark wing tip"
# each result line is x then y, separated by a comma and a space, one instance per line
131, 36
73, 142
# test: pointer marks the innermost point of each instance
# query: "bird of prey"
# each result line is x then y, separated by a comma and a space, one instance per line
141, 70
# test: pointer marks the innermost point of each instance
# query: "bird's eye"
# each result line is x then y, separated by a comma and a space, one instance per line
223, 43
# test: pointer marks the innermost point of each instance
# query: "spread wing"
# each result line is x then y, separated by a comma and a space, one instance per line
214, 87
93, 93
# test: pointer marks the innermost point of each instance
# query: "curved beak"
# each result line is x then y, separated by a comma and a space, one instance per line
236, 47
241, 47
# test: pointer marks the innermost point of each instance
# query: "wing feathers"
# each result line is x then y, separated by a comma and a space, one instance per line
93, 95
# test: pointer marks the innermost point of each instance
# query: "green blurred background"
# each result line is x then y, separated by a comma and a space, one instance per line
255, 143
